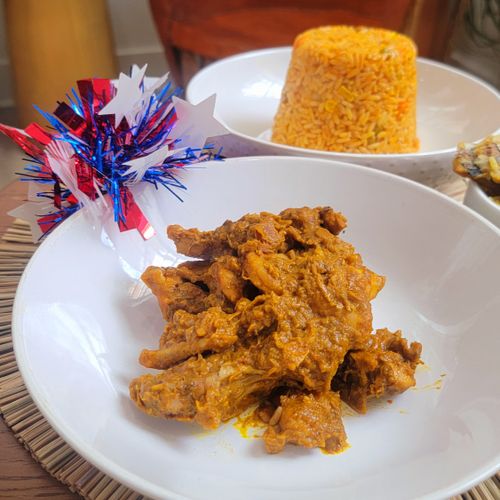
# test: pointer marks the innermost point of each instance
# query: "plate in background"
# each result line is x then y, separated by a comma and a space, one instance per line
452, 106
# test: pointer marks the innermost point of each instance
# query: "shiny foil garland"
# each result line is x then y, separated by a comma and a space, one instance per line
106, 138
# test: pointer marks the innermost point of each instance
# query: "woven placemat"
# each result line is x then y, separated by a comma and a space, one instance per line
34, 432
16, 406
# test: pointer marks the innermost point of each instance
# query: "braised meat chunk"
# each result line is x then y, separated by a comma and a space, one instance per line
481, 163
385, 366
188, 334
310, 420
277, 303
214, 388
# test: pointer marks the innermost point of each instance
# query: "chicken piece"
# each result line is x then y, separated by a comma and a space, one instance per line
333, 282
330, 281
207, 390
262, 232
330, 287
306, 222
212, 389
278, 302
310, 420
173, 292
481, 163
221, 279
386, 365
195, 286
224, 279
266, 230
333, 221
188, 334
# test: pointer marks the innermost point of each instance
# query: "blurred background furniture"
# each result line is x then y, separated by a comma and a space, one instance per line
196, 33
475, 42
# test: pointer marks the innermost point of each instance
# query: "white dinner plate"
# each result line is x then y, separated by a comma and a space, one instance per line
452, 106
78, 333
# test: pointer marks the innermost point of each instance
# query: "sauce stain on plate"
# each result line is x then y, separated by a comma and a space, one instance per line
423, 367
249, 425
437, 384
226, 445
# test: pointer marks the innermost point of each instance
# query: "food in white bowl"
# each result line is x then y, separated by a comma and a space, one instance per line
481, 164
77, 345
275, 312
452, 106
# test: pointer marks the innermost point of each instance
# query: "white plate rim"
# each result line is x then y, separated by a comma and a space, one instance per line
134, 481
333, 154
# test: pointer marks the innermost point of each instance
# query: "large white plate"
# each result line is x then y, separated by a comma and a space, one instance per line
78, 333
452, 107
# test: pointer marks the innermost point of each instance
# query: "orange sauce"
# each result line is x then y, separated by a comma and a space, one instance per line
249, 425
437, 384
330, 453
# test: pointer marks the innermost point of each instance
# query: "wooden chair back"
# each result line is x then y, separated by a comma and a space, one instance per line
196, 32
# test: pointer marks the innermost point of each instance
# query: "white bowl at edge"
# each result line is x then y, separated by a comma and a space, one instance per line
479, 201
453, 106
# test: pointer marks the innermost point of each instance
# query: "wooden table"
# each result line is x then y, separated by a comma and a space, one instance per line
20, 475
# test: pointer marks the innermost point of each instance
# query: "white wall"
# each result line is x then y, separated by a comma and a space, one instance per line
136, 41
135, 38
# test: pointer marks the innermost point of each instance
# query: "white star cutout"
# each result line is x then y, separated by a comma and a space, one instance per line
142, 105
149, 91
195, 122
156, 158
128, 93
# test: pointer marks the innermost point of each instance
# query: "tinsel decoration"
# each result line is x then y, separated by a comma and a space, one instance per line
105, 138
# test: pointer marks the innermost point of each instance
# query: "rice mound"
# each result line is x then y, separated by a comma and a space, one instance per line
350, 89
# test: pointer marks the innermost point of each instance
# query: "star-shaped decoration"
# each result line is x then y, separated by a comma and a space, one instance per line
60, 157
195, 123
138, 166
128, 93
138, 73
141, 106
157, 84
29, 212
